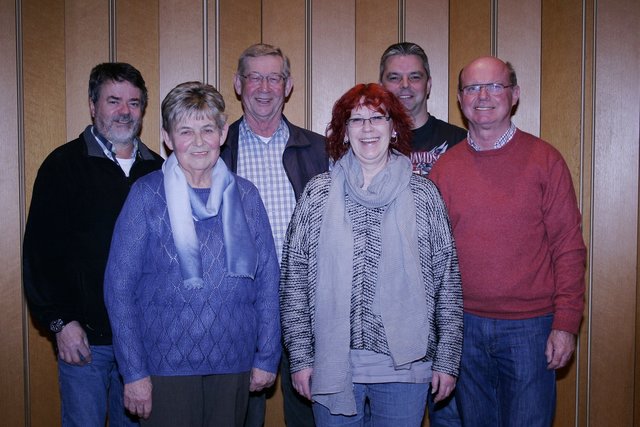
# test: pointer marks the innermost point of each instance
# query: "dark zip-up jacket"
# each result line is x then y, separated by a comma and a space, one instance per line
77, 196
305, 155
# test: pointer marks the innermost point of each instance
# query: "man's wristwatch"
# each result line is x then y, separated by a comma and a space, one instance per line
56, 325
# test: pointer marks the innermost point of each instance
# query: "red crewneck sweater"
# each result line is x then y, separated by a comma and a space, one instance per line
517, 228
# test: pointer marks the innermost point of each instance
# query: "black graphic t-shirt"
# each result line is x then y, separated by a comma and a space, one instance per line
432, 140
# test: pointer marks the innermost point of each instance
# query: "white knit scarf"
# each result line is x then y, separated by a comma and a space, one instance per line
185, 207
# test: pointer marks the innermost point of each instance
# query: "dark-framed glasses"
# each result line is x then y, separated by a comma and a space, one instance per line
256, 79
491, 88
358, 122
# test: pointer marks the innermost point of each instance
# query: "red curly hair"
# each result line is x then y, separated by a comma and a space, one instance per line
377, 98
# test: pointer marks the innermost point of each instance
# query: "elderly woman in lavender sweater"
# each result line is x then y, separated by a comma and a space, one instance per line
191, 285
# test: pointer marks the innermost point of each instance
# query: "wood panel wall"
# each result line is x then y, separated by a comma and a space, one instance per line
578, 64
12, 312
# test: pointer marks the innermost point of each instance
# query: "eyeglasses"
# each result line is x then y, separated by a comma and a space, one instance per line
273, 79
491, 88
358, 122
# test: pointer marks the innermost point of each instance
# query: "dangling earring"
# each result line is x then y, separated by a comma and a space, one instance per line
394, 137
346, 140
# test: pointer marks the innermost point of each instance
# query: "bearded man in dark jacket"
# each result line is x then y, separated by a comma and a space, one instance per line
77, 196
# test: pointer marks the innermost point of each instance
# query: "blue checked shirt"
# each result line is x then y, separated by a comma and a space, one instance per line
261, 163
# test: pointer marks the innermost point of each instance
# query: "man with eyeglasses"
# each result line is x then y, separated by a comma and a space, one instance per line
404, 71
517, 227
279, 158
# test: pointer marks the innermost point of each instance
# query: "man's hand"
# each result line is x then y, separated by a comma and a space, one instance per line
302, 382
560, 348
137, 397
442, 385
261, 379
73, 345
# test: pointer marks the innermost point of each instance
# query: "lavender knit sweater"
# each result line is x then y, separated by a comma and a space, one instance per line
161, 328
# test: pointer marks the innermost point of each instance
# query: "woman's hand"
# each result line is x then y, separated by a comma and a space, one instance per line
137, 397
442, 385
302, 382
261, 379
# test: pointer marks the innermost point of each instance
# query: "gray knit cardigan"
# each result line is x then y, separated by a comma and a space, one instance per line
438, 262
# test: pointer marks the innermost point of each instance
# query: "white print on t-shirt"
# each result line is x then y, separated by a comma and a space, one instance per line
423, 161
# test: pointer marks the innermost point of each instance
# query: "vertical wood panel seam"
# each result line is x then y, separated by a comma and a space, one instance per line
581, 191
205, 41
402, 27
112, 31
308, 63
450, 71
592, 187
494, 27
22, 201
583, 70
261, 21
540, 70
22, 208
355, 42
216, 55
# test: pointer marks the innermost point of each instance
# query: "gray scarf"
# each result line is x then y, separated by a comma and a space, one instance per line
400, 295
185, 207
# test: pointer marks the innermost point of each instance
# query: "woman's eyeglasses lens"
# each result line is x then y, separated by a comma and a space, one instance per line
358, 122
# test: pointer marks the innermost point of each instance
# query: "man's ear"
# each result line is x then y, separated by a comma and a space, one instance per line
515, 91
288, 87
92, 108
237, 84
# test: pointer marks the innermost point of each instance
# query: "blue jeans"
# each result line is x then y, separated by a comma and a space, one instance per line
441, 414
89, 392
444, 413
504, 380
390, 404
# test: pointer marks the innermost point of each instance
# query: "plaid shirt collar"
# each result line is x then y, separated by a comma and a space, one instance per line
247, 133
501, 142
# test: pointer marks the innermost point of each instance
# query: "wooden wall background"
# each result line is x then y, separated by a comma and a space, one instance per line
578, 63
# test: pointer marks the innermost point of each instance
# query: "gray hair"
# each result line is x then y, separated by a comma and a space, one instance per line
405, 49
192, 98
261, 49
513, 79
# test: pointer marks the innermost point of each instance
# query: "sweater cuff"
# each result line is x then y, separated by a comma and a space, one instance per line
566, 320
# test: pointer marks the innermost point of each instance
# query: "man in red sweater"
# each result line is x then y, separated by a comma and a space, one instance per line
517, 227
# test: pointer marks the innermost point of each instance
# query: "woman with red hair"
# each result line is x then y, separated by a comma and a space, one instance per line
370, 293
